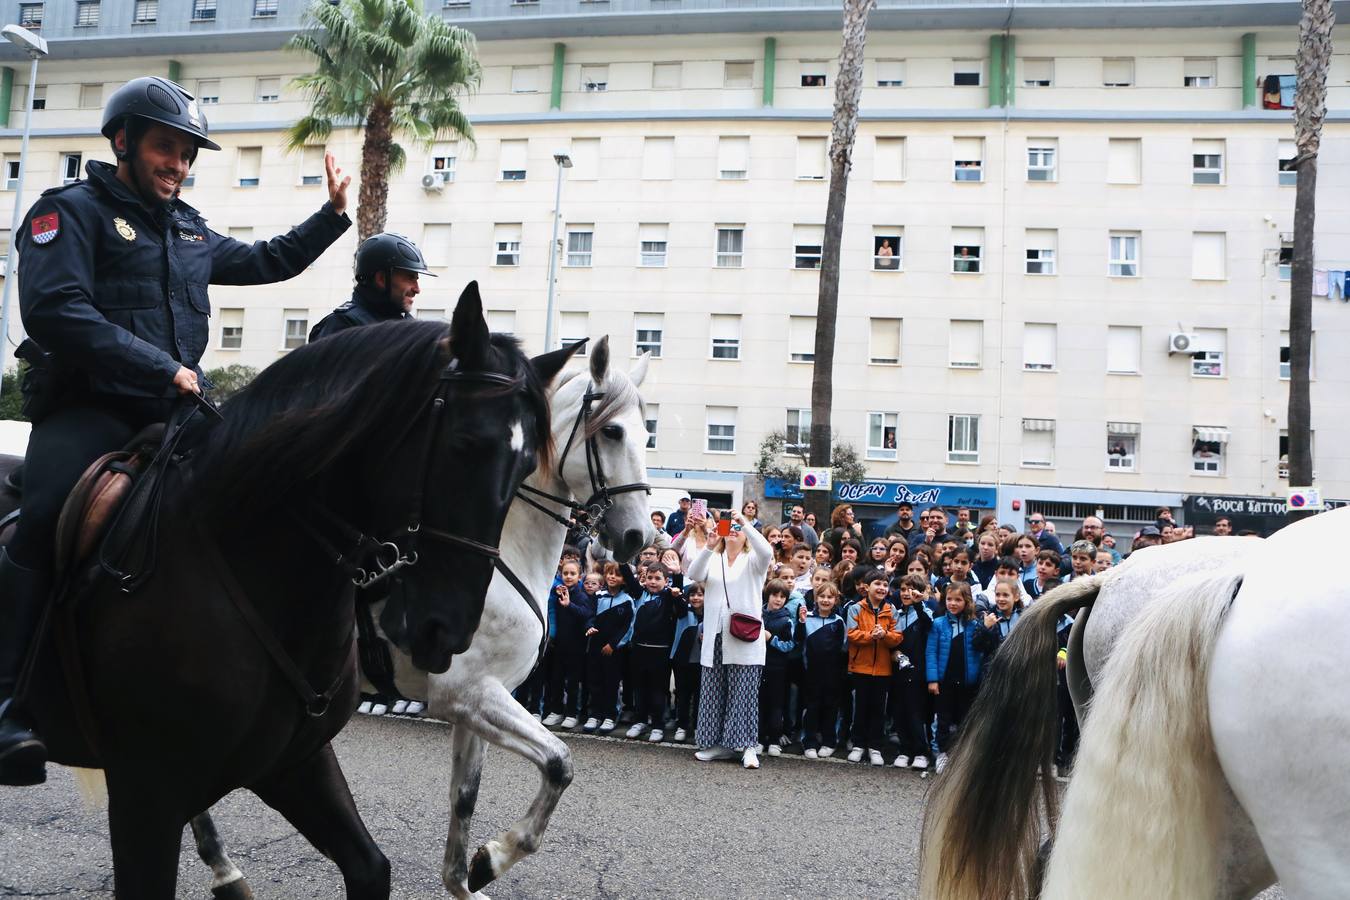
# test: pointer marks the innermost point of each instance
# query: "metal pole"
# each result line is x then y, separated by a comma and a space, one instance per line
553, 261
17, 219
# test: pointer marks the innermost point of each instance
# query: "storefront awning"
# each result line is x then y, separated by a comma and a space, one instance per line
1211, 435
1038, 424
1122, 427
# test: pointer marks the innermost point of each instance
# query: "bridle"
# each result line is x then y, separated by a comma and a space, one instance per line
590, 514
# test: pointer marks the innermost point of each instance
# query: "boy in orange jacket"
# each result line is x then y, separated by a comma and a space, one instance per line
872, 638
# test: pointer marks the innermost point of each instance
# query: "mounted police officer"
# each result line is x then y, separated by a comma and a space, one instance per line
387, 269
113, 285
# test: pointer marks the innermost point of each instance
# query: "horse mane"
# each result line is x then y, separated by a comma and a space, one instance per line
619, 393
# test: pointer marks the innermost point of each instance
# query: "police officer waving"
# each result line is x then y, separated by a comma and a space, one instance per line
113, 282
387, 268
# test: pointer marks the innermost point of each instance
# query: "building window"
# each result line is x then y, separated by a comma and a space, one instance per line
1209, 255
883, 345
1207, 162
1122, 445
1207, 450
966, 246
585, 154
70, 167
1280, 86
1207, 360
572, 329
738, 74
1039, 347
1198, 72
968, 159
513, 160
579, 241
40, 97
888, 163
721, 429
444, 161
91, 96
647, 333
208, 91
436, 243
797, 434
250, 167
651, 416
1285, 267
1123, 160
887, 249
87, 13
269, 90
811, 158
1038, 72
595, 79
1041, 246
524, 79
312, 165
652, 242
667, 76
1123, 346
967, 72
1041, 159
725, 334
506, 242
963, 439
264, 9
1124, 254
890, 73
203, 10
807, 243
733, 158
146, 11
231, 329
297, 329
966, 344
883, 435
814, 73
1118, 72
802, 339
730, 246
436, 314
1038, 443
501, 321
658, 159
30, 15
11, 172
1286, 152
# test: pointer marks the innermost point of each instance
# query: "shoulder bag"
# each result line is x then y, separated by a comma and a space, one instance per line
743, 627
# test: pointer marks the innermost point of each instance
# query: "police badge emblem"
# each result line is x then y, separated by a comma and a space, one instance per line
124, 229
46, 228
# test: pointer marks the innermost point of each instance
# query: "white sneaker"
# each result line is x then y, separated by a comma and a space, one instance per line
569, 722
416, 707
591, 724
786, 741
657, 736
811, 754
920, 762
552, 719
775, 750
941, 763
636, 730
399, 707
538, 717
364, 708
825, 752
874, 757
758, 748
607, 726
680, 735
750, 759
902, 762
378, 709
855, 755
714, 753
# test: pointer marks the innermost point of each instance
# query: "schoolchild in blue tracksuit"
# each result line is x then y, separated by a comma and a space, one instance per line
997, 622
531, 692
655, 612
572, 608
685, 654
911, 706
780, 621
607, 634
824, 639
953, 665
1066, 745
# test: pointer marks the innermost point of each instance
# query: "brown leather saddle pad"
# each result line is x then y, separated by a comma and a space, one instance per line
93, 503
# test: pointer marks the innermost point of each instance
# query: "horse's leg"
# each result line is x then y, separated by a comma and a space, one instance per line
314, 797
145, 832
228, 883
466, 768
498, 718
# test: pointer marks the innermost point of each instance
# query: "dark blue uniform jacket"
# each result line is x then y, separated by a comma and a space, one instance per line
119, 294
369, 305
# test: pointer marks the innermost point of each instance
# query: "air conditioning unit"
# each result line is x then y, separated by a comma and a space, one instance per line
1181, 342
432, 184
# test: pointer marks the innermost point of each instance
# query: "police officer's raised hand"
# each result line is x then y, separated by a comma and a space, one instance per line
185, 380
337, 191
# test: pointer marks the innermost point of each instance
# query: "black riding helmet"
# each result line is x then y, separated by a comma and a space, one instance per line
155, 99
385, 251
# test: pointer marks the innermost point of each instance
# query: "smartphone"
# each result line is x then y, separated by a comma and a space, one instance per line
724, 523
699, 510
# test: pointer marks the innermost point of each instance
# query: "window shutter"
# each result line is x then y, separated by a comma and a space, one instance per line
1123, 161
1208, 254
801, 338
1038, 346
889, 162
513, 156
966, 349
658, 158
811, 158
884, 342
968, 149
1123, 344
436, 244
585, 153
733, 157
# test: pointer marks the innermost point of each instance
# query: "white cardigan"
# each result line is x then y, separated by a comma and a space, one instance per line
743, 587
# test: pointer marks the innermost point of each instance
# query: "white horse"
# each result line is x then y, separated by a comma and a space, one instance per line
1210, 760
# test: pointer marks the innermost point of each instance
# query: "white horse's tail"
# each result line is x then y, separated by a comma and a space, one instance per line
93, 787
1142, 815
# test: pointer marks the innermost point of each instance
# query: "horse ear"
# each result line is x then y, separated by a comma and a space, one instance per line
468, 329
600, 360
548, 365
639, 371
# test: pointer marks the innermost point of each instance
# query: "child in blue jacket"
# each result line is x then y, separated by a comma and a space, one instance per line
685, 655
606, 634
824, 640
953, 665
572, 608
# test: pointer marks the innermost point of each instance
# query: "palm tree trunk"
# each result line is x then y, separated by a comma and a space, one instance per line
847, 92
1310, 106
373, 209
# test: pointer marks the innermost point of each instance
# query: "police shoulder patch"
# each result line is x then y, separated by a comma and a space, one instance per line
46, 228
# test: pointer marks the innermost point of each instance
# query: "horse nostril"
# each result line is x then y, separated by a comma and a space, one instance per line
632, 541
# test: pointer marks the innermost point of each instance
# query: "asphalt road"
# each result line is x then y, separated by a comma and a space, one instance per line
638, 821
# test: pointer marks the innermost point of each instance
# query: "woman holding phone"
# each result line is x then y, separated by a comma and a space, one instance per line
732, 569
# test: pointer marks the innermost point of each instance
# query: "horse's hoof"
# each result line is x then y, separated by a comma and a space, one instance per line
235, 890
480, 870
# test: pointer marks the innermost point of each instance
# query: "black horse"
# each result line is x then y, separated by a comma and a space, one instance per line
409, 433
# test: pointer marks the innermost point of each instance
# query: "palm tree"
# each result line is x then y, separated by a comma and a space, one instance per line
847, 92
1310, 107
388, 66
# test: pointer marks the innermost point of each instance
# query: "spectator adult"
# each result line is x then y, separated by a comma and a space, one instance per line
1223, 526
1092, 530
1044, 537
904, 526
934, 528
659, 520
675, 524
797, 519
750, 509
843, 527
1149, 536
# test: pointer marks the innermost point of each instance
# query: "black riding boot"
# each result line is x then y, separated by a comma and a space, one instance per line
23, 592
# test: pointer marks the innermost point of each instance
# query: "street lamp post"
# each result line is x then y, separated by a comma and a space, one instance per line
36, 48
564, 162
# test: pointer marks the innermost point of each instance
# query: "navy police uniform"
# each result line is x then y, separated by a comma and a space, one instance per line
379, 253
368, 306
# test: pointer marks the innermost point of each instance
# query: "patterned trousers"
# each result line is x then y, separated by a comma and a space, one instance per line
728, 704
